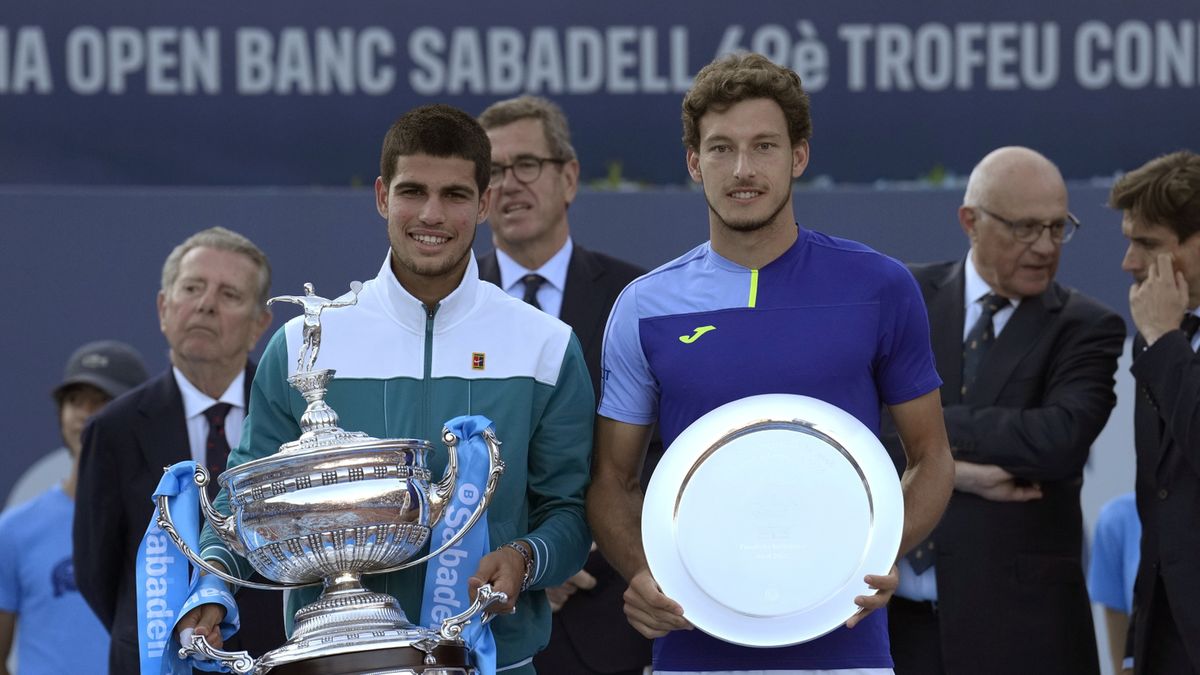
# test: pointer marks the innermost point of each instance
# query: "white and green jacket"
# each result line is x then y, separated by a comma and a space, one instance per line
402, 371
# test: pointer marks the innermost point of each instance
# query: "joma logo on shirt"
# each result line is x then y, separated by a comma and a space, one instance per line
700, 330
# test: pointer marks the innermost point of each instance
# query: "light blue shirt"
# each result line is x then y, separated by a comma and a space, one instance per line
550, 294
923, 586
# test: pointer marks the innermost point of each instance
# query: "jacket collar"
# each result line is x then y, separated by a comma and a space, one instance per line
410, 312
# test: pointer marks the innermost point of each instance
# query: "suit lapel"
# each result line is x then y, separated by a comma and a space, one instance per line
1148, 423
945, 300
1019, 336
581, 296
489, 269
162, 437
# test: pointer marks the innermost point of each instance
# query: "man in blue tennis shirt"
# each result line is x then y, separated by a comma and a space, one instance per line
763, 307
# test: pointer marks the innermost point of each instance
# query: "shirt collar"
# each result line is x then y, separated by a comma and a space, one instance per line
195, 402
976, 287
554, 271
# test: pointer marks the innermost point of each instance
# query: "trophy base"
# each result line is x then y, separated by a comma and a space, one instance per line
448, 659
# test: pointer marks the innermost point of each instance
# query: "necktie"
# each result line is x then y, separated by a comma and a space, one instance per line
216, 449
532, 283
979, 339
1189, 325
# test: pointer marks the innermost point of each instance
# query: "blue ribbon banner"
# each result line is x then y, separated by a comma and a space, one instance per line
168, 587
446, 575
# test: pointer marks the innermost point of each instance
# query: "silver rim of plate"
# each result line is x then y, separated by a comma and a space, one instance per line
766, 513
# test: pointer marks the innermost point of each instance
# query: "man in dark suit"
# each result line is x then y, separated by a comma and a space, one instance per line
211, 310
535, 176
1160, 204
1028, 372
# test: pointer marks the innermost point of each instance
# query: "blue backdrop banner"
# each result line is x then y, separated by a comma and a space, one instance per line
278, 93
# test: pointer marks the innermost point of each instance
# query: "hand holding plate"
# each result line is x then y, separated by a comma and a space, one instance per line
649, 611
884, 585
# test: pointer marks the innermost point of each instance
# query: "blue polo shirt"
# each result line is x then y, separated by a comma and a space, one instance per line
830, 318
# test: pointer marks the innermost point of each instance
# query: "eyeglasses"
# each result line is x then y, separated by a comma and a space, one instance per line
525, 169
1029, 231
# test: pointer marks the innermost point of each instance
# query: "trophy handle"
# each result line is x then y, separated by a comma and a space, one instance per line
240, 663
221, 524
452, 627
164, 521
495, 469
441, 492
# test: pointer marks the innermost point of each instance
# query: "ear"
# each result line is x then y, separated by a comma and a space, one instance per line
570, 176
968, 218
261, 324
381, 197
693, 165
161, 303
799, 158
485, 203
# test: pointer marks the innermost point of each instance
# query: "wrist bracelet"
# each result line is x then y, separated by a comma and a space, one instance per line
528, 562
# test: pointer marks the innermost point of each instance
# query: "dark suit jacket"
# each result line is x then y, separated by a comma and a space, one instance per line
591, 628
1011, 589
125, 448
1167, 434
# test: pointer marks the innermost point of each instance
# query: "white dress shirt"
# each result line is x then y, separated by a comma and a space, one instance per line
550, 294
195, 402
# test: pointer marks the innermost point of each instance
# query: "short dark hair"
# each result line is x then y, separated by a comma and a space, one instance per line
437, 130
221, 239
1164, 191
743, 76
554, 122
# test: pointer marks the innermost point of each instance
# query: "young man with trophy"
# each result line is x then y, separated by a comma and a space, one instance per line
424, 341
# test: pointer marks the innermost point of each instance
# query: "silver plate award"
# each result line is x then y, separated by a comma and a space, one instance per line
764, 516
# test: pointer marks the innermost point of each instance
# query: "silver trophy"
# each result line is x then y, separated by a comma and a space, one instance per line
328, 508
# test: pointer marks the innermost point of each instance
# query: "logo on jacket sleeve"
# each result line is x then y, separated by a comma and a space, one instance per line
477, 360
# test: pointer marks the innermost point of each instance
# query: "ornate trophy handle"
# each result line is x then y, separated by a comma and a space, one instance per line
223, 525
445, 487
452, 627
240, 663
219, 522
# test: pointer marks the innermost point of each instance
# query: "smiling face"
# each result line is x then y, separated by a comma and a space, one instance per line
534, 213
1147, 241
432, 206
210, 314
746, 164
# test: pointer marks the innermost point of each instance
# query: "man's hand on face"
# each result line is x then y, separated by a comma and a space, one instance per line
1158, 302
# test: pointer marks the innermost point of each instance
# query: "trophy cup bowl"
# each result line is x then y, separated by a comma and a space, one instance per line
327, 508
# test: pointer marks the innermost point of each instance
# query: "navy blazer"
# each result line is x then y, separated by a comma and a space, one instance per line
1010, 580
126, 446
1167, 436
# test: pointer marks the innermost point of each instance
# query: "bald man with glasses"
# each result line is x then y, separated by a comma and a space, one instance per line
1028, 372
